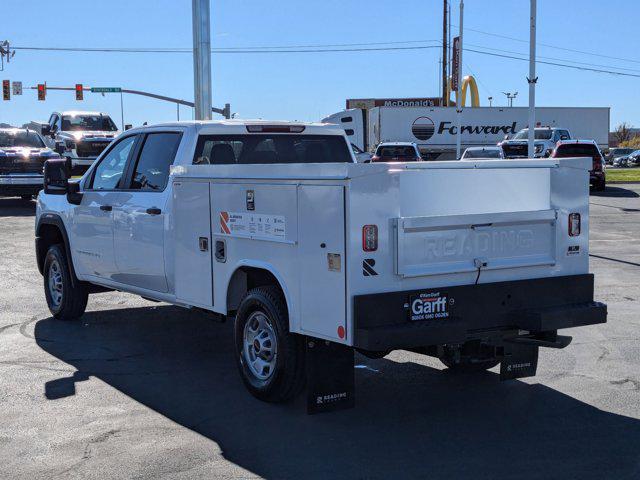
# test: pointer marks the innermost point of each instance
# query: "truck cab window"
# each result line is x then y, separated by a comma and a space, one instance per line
270, 149
109, 171
157, 155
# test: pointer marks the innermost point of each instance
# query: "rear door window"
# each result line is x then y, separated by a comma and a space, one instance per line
270, 149
577, 150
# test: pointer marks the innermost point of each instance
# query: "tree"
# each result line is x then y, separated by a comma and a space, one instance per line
622, 133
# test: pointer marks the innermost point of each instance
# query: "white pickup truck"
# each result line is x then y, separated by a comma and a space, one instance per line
314, 256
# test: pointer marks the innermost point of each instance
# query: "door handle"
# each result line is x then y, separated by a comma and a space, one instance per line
106, 208
154, 211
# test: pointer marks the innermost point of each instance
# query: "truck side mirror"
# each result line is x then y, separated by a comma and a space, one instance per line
128, 126
45, 130
56, 176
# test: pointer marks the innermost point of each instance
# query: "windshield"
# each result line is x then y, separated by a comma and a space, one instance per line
577, 150
88, 122
395, 151
252, 148
540, 134
621, 151
20, 138
482, 153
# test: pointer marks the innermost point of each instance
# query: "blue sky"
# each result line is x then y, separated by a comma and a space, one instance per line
308, 86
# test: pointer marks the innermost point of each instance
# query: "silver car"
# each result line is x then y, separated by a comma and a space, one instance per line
483, 153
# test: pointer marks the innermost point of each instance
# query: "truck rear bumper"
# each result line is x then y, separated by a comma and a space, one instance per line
450, 315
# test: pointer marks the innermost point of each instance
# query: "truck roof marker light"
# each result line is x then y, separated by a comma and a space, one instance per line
370, 238
275, 128
574, 224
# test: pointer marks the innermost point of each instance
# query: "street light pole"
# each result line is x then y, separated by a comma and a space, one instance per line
532, 79
202, 59
459, 96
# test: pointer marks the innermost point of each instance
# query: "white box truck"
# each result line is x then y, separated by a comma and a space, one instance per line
314, 256
434, 129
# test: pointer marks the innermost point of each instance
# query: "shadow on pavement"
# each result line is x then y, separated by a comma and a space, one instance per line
16, 207
611, 191
410, 420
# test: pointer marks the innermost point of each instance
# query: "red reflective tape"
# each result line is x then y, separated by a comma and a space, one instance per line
224, 218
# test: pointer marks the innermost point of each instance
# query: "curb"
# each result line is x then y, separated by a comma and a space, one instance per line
622, 182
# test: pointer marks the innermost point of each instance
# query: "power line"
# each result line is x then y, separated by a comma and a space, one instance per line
572, 50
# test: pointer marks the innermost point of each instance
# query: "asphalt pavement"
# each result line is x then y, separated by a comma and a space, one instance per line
143, 390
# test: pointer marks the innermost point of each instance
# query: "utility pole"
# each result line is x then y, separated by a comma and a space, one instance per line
444, 54
202, 59
459, 95
532, 79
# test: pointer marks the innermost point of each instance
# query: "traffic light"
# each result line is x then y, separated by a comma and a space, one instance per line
6, 90
42, 91
79, 92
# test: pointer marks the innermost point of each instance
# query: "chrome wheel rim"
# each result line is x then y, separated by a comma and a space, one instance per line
260, 347
55, 283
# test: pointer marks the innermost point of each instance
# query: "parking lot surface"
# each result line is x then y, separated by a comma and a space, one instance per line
144, 390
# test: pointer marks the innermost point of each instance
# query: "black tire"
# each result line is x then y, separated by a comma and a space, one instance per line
66, 302
286, 374
600, 187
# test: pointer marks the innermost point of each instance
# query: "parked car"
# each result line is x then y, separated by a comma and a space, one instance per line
313, 262
585, 148
397, 152
545, 139
482, 153
621, 162
22, 156
615, 153
633, 159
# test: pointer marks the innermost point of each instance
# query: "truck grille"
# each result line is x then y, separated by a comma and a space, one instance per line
91, 148
515, 150
22, 165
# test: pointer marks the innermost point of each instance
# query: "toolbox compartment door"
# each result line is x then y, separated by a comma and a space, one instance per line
321, 254
460, 243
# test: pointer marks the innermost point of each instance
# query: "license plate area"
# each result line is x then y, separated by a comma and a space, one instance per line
430, 305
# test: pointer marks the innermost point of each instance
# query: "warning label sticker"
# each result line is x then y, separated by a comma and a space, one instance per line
253, 224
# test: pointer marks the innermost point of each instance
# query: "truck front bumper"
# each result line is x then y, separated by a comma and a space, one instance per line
20, 184
454, 315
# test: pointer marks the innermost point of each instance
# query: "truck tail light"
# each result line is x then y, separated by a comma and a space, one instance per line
574, 224
597, 164
370, 238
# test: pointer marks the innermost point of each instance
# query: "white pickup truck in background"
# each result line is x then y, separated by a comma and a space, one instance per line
315, 256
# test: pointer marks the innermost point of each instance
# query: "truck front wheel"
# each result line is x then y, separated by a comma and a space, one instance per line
65, 301
269, 357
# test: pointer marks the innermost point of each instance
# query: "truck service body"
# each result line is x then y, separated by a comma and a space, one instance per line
434, 128
475, 263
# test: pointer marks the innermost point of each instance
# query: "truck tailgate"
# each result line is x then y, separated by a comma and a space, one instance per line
463, 243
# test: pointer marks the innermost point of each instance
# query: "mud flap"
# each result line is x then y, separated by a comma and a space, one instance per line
519, 361
330, 376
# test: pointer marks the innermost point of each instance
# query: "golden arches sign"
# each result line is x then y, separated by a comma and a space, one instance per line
467, 82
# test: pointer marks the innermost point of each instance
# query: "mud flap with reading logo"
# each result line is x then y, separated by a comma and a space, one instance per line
330, 376
519, 361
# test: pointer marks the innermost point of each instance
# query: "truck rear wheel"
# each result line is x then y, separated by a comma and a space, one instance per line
65, 301
269, 357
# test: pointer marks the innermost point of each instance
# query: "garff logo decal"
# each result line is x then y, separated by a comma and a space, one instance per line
423, 128
430, 306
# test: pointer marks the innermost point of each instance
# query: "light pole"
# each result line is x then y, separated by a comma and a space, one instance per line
532, 79
490, 101
201, 59
510, 97
459, 96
